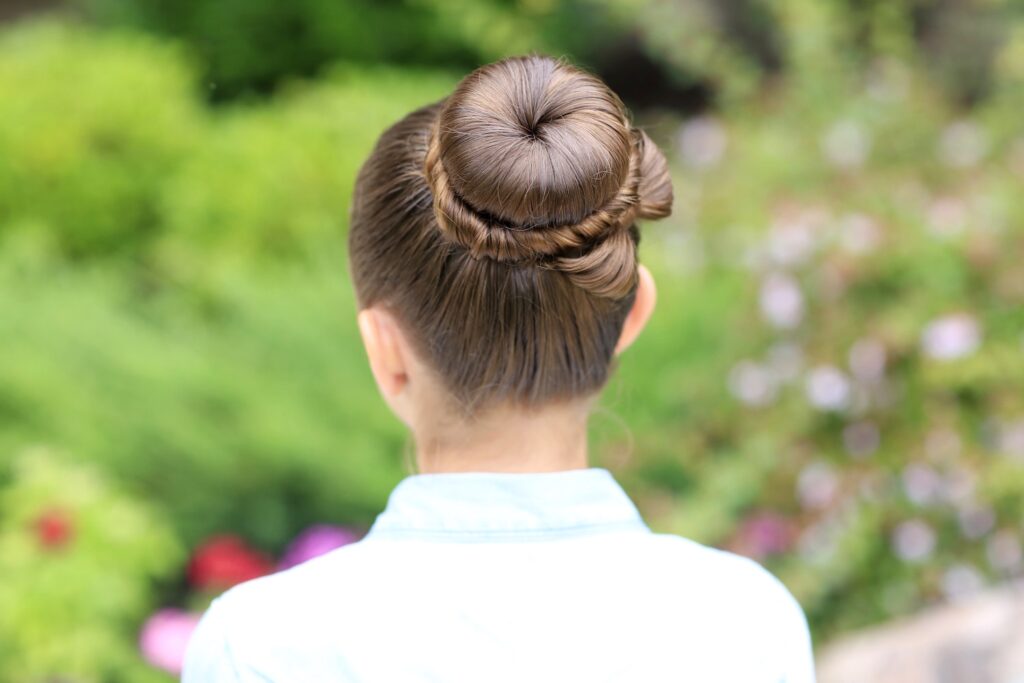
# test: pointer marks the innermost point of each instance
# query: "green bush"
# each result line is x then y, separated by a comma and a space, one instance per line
90, 126
253, 45
269, 181
247, 415
79, 559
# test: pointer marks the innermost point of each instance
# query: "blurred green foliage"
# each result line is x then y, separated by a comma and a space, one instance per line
832, 383
252, 45
79, 558
88, 127
734, 46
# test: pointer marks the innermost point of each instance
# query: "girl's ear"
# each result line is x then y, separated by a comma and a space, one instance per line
640, 313
384, 350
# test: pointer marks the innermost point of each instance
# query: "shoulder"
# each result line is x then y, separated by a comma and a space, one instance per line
733, 580
737, 596
238, 632
718, 567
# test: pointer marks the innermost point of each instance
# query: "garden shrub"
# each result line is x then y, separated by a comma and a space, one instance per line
79, 559
253, 417
270, 181
254, 45
90, 126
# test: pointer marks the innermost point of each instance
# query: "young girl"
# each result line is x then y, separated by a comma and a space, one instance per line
493, 247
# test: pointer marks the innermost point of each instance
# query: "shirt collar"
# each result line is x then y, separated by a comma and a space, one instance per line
492, 504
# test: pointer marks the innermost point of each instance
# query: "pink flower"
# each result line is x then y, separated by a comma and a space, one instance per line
315, 541
164, 638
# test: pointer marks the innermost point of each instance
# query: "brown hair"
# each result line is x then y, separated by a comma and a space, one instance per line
498, 226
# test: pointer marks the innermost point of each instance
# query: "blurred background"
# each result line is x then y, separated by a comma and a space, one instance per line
833, 384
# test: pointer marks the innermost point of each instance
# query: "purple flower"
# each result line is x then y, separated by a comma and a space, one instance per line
165, 636
315, 541
764, 534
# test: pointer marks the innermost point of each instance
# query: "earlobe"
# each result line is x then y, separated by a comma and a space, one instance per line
640, 313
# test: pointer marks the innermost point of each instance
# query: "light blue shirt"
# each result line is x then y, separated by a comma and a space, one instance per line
508, 577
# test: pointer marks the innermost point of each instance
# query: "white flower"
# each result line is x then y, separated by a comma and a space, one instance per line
702, 142
861, 439
782, 301
963, 144
858, 234
913, 541
951, 337
828, 388
846, 145
922, 484
867, 359
961, 581
1004, 551
817, 486
752, 383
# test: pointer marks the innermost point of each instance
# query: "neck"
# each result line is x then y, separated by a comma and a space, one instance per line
509, 440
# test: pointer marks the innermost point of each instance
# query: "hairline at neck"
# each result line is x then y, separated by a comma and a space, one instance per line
552, 438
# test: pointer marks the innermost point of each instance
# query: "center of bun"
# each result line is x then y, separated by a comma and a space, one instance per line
534, 142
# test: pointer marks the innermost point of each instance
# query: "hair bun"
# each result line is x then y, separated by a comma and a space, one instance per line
532, 159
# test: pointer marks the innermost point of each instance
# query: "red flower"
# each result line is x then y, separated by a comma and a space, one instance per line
223, 561
53, 528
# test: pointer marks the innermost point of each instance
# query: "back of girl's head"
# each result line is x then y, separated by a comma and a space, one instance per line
498, 227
